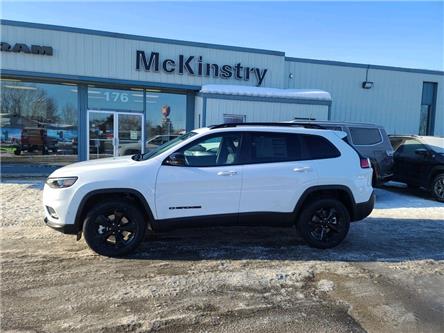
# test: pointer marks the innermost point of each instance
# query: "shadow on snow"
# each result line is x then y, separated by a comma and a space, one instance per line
374, 239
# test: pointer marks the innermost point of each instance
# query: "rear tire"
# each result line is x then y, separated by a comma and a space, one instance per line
324, 223
114, 228
438, 187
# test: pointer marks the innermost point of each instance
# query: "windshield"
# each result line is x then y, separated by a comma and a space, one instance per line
167, 145
435, 143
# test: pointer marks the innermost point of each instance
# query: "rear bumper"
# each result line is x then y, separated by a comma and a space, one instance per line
69, 229
364, 209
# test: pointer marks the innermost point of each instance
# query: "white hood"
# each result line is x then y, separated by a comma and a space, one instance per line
102, 164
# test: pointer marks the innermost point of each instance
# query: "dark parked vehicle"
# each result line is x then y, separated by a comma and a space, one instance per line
419, 162
369, 140
36, 139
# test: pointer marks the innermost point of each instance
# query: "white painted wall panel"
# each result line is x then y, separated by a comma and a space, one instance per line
107, 57
394, 101
262, 111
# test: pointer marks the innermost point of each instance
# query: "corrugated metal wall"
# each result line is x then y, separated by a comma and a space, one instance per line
394, 101
262, 111
107, 57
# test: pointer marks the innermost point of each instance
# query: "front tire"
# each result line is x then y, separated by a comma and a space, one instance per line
438, 187
324, 223
114, 228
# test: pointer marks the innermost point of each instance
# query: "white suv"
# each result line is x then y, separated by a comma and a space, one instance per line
233, 174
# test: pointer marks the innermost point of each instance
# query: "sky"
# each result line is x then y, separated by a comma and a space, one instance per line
402, 34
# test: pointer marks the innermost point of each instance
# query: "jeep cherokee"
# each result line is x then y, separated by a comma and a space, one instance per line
272, 174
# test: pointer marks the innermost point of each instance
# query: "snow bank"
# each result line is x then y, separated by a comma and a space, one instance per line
223, 89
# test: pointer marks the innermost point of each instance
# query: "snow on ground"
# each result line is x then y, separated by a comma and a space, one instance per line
402, 203
387, 276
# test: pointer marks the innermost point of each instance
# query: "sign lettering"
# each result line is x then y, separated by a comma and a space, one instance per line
24, 48
195, 66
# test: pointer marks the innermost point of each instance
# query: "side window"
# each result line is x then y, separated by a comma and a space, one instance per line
318, 147
274, 147
333, 128
396, 143
409, 146
213, 151
365, 136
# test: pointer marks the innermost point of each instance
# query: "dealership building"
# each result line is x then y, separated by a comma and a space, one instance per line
70, 94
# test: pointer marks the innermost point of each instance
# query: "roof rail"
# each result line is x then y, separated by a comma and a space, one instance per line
277, 124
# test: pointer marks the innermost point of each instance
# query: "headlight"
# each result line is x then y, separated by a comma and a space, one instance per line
61, 182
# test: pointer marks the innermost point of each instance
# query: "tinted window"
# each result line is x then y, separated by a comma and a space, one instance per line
115, 99
274, 147
318, 147
282, 147
38, 123
165, 114
409, 146
234, 118
396, 142
333, 128
168, 145
365, 136
214, 151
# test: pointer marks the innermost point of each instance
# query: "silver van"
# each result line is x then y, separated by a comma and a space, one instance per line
369, 140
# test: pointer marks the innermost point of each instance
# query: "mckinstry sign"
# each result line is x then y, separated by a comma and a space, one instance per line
197, 67
24, 48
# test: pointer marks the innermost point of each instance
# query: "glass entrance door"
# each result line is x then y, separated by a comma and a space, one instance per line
114, 134
129, 130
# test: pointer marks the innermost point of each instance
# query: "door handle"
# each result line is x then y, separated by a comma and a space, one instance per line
302, 169
227, 173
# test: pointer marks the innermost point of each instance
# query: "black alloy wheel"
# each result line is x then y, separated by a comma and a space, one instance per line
114, 228
438, 187
324, 223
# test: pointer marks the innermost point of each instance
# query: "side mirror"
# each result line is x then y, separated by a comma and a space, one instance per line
422, 152
176, 159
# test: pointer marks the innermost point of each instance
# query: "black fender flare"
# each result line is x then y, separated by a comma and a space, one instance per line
119, 191
319, 188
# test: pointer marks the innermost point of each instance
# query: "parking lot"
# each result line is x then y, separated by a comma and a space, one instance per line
387, 276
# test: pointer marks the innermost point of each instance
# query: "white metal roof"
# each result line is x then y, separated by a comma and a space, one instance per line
225, 89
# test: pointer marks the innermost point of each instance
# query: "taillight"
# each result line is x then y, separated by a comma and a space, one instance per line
365, 163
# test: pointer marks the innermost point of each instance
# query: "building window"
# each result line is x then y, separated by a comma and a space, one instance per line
38, 123
115, 99
428, 107
234, 118
165, 117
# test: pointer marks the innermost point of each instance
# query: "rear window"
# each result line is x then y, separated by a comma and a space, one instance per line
283, 147
318, 147
365, 136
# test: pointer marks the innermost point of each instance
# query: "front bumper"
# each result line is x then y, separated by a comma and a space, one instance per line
69, 229
364, 209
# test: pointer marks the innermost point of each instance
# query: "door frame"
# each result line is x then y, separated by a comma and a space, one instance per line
115, 139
